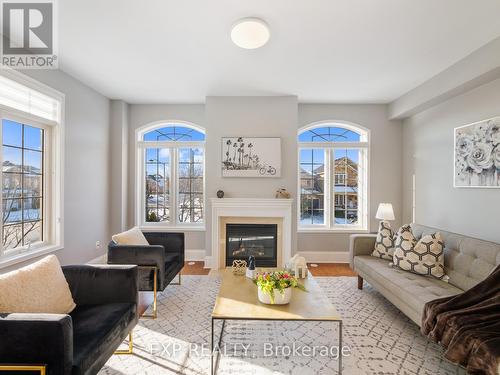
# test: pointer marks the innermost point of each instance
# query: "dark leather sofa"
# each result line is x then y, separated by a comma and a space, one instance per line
80, 342
162, 260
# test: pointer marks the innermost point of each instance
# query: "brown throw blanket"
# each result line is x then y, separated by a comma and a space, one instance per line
468, 326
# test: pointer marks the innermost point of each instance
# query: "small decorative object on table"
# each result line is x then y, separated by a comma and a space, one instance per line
220, 193
275, 288
282, 193
251, 267
239, 267
298, 266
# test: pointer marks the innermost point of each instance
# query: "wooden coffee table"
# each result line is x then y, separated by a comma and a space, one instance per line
237, 300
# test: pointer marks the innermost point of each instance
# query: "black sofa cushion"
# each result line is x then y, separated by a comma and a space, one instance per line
171, 258
37, 338
82, 342
97, 331
172, 268
166, 252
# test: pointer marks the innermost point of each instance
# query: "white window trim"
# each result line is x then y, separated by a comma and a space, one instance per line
140, 176
343, 175
53, 159
329, 203
342, 199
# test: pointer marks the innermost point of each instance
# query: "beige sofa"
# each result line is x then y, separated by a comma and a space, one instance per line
467, 262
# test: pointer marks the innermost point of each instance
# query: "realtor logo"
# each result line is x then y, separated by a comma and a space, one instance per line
28, 35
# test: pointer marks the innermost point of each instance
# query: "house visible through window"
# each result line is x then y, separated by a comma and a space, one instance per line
339, 200
31, 168
173, 175
22, 175
333, 173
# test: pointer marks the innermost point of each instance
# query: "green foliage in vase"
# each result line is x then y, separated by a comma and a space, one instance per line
279, 280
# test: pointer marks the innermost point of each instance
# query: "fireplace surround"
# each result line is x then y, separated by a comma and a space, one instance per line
250, 211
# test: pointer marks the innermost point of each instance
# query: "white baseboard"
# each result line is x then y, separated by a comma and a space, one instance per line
325, 256
195, 255
209, 262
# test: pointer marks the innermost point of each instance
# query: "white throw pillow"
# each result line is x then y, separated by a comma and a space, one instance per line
38, 288
384, 244
133, 236
424, 257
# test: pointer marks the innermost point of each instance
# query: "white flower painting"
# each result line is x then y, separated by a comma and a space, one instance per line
477, 154
251, 157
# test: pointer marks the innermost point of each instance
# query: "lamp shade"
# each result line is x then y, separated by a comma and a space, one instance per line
385, 212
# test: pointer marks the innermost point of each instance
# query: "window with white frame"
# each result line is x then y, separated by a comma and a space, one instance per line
31, 167
171, 170
340, 178
333, 177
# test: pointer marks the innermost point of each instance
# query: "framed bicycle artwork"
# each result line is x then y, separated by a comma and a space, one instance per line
251, 157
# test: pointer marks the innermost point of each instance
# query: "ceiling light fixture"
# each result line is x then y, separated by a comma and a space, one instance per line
250, 33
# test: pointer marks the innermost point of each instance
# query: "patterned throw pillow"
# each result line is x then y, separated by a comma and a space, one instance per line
384, 244
424, 257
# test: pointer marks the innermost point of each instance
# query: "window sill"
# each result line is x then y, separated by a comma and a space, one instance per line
158, 228
332, 230
10, 260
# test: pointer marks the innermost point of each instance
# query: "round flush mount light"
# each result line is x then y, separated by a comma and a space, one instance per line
250, 33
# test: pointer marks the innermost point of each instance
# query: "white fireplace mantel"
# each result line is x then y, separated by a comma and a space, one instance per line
251, 207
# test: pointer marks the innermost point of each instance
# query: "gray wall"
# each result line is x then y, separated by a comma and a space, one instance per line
86, 167
143, 114
225, 116
274, 116
118, 184
100, 158
428, 153
279, 117
385, 164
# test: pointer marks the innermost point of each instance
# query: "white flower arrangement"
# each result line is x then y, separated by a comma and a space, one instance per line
496, 157
477, 154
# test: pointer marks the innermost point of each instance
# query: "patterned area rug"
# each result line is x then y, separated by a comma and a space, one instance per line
377, 338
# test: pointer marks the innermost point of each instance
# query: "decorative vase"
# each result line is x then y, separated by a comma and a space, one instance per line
239, 267
283, 194
279, 299
251, 267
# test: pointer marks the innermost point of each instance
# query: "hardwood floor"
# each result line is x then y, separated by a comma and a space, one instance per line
195, 268
321, 269
330, 269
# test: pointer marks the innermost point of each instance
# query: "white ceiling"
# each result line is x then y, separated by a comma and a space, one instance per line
345, 51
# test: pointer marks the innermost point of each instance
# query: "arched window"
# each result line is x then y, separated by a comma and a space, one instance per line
171, 172
333, 177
